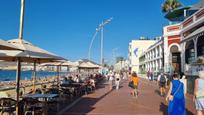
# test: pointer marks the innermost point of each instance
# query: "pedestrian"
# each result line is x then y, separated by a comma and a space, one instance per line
111, 80
152, 75
162, 82
148, 74
124, 75
199, 94
117, 80
135, 80
176, 97
184, 81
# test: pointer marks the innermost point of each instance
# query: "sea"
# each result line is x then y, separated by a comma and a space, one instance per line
10, 75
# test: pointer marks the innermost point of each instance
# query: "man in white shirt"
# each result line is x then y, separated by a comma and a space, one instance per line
162, 82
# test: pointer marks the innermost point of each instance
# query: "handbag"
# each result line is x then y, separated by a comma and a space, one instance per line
131, 84
199, 94
171, 97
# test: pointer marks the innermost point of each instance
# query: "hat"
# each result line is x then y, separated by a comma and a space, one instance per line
201, 74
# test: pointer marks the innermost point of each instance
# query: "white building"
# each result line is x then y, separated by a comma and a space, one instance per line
121, 65
152, 58
136, 48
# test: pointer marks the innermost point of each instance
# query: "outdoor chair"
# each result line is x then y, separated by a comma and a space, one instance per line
67, 93
32, 106
53, 104
7, 105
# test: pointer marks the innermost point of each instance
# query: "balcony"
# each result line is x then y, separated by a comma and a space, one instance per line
193, 19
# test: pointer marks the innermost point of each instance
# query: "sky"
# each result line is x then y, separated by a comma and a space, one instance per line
66, 27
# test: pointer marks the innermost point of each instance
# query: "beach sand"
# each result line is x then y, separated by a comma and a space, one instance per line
26, 86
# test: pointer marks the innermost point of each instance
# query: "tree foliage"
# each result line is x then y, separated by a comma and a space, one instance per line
170, 5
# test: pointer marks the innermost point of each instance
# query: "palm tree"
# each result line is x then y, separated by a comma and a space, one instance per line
170, 5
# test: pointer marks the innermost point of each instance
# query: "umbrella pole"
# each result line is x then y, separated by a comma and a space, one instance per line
34, 75
21, 20
58, 75
18, 75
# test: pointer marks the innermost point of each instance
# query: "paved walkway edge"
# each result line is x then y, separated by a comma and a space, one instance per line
71, 105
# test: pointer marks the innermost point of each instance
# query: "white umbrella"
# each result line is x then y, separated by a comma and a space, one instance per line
31, 53
84, 63
58, 65
88, 65
7, 46
70, 64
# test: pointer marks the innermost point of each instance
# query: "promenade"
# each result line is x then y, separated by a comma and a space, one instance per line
106, 102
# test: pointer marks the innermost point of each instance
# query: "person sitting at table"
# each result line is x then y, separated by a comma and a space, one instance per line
77, 79
91, 83
31, 91
65, 81
44, 90
70, 80
38, 91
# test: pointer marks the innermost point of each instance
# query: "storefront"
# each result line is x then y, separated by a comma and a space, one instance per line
192, 44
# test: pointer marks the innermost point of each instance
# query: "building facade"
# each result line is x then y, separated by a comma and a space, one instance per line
121, 66
172, 49
154, 57
192, 43
136, 48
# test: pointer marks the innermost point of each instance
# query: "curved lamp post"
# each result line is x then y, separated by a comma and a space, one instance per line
99, 28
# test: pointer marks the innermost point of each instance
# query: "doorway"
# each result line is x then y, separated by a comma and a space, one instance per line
176, 58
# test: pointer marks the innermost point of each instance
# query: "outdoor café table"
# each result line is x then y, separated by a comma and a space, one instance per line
44, 98
76, 88
72, 85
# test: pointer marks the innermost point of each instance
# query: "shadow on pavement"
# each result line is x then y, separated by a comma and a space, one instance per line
164, 109
157, 92
87, 105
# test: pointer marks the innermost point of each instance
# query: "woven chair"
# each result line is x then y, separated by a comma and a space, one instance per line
7, 105
32, 106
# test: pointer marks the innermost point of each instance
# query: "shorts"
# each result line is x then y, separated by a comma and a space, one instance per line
162, 84
134, 87
199, 103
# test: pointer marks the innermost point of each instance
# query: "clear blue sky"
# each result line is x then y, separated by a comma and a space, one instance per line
65, 27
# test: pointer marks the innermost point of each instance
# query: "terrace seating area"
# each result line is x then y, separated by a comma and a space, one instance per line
49, 99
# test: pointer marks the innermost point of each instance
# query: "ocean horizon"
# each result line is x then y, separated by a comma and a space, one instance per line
10, 75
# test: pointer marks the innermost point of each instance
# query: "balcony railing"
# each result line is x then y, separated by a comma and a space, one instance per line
192, 19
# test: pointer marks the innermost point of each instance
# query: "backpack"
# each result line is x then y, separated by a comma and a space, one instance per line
162, 79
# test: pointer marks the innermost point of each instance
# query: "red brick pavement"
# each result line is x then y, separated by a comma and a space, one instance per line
106, 102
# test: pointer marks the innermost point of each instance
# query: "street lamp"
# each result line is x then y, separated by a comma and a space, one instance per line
99, 28
90, 46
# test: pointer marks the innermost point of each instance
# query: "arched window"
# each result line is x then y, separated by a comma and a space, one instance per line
174, 49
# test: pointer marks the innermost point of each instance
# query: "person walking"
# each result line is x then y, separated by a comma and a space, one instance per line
199, 94
162, 82
135, 80
117, 80
176, 97
111, 80
148, 75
